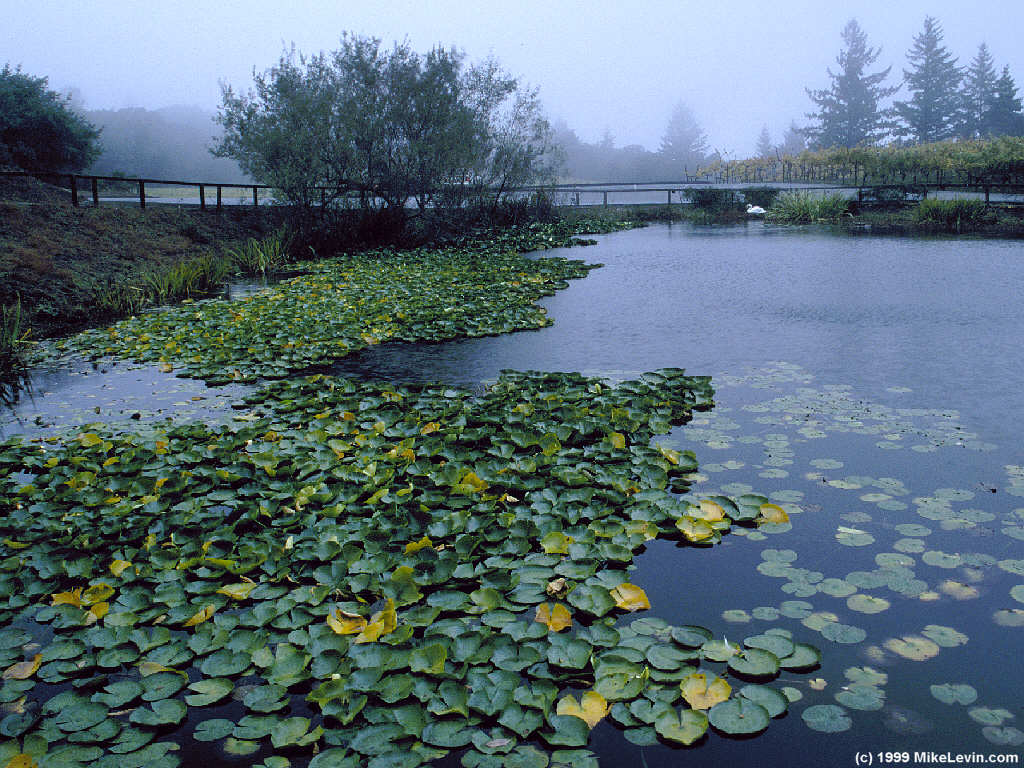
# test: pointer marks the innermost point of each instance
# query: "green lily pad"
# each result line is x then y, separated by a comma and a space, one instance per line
739, 716
827, 718
954, 693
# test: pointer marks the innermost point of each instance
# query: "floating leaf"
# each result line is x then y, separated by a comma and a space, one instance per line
913, 647
23, 670
827, 718
954, 693
702, 693
592, 707
203, 614
739, 716
630, 597
683, 726
556, 617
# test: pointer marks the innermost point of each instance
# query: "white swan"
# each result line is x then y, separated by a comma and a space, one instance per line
755, 210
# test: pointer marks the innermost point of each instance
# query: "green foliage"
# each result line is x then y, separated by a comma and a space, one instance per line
383, 127
38, 130
933, 112
807, 208
13, 336
714, 200
476, 287
849, 112
953, 215
262, 555
259, 257
762, 196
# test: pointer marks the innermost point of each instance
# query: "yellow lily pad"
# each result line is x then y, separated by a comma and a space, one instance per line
630, 597
591, 708
557, 617
700, 693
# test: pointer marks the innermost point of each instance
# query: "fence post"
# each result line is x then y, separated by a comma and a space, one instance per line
605, 198
219, 200
669, 200
95, 192
142, 193
255, 201
202, 197
74, 191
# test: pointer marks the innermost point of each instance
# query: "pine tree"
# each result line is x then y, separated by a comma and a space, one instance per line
684, 145
849, 112
933, 112
1004, 117
765, 148
793, 141
979, 90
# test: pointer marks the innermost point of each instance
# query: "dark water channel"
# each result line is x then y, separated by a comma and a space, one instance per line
872, 386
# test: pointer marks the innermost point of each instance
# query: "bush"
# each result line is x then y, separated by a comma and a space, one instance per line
805, 208
762, 196
38, 131
713, 199
258, 257
953, 215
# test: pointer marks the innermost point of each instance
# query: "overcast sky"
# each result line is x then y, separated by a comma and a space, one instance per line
603, 64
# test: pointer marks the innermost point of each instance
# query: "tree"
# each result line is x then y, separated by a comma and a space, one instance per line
979, 90
793, 141
849, 111
38, 129
1004, 117
765, 148
933, 112
684, 144
387, 125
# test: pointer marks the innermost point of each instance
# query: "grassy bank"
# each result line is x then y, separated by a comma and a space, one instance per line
70, 267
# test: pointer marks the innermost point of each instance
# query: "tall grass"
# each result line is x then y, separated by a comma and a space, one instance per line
953, 215
805, 208
258, 257
185, 280
13, 337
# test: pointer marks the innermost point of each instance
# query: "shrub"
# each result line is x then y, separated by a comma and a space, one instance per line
258, 257
805, 208
762, 196
713, 199
953, 215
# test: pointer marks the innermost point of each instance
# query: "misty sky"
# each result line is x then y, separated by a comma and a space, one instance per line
604, 64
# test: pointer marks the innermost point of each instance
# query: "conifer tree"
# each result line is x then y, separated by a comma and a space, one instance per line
1004, 117
765, 148
979, 90
933, 112
849, 111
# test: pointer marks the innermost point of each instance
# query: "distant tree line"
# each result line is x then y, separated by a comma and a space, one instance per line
684, 149
941, 100
170, 143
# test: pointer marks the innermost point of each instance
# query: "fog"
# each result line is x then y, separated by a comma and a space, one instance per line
601, 66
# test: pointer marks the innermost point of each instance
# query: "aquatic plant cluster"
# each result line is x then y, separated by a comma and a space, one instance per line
379, 573
480, 287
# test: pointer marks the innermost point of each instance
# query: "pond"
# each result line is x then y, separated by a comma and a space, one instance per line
869, 385
873, 382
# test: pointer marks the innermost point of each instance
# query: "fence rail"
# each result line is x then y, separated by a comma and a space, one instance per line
661, 192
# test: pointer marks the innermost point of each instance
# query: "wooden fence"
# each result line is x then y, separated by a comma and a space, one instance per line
571, 194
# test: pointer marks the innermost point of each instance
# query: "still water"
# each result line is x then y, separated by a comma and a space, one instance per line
872, 386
